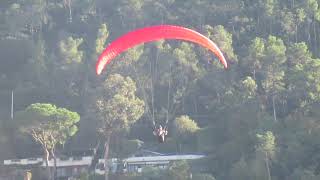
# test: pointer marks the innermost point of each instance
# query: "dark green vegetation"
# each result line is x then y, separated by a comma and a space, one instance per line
259, 119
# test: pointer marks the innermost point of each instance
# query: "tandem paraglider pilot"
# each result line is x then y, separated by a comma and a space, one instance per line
160, 133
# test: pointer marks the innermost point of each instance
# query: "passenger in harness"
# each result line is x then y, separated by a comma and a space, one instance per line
160, 133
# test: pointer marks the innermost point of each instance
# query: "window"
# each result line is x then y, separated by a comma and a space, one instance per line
77, 158
61, 172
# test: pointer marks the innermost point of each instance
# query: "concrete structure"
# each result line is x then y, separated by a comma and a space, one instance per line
74, 166
135, 164
66, 167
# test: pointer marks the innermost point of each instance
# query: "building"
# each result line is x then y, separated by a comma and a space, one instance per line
143, 159
71, 166
74, 166
66, 167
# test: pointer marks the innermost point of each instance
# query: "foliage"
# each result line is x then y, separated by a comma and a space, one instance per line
121, 108
185, 125
179, 170
103, 35
69, 50
203, 177
266, 143
262, 110
48, 124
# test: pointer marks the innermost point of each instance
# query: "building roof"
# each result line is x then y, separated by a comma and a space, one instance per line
61, 162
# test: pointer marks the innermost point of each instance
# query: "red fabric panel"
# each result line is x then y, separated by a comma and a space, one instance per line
153, 33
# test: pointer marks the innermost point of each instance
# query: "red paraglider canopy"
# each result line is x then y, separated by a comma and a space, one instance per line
153, 33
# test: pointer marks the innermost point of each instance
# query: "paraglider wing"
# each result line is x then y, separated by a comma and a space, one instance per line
153, 33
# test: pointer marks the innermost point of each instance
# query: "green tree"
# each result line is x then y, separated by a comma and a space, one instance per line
128, 147
313, 78
131, 13
304, 174
49, 126
223, 39
267, 146
69, 50
188, 60
300, 15
199, 176
268, 6
313, 16
273, 70
102, 37
249, 87
302, 78
288, 24
69, 70
256, 53
185, 125
184, 75
240, 170
267, 12
297, 75
152, 173
179, 170
185, 128
117, 109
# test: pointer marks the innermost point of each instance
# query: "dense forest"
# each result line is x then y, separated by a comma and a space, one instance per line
257, 119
